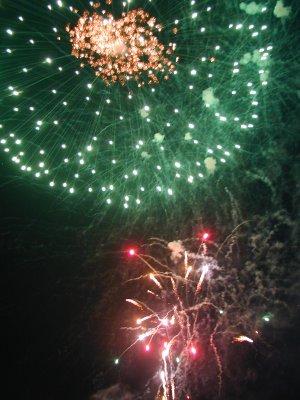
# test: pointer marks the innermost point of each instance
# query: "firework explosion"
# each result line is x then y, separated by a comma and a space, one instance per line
143, 105
132, 146
117, 48
192, 307
181, 307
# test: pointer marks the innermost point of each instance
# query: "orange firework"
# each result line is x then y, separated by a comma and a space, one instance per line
121, 49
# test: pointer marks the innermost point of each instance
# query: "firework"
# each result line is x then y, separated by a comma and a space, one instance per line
121, 49
132, 147
193, 318
176, 321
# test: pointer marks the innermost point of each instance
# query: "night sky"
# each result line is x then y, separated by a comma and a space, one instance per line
89, 171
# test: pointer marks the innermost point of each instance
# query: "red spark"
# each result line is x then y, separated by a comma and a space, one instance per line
205, 236
131, 252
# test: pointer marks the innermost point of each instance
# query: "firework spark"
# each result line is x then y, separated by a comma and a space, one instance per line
121, 49
242, 338
185, 316
196, 325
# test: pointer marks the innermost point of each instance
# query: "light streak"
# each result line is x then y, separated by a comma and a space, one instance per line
163, 379
242, 338
201, 279
152, 277
152, 293
134, 302
186, 259
188, 271
146, 334
140, 320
